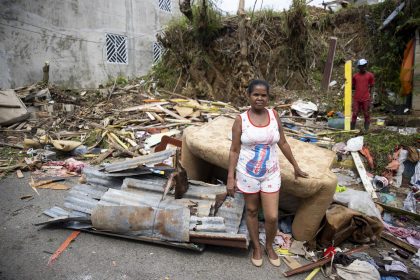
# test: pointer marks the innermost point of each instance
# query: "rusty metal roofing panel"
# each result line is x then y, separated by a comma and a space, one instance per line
80, 203
133, 163
207, 224
56, 212
95, 192
153, 184
98, 178
232, 210
165, 224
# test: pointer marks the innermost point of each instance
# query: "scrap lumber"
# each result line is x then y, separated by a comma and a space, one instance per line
347, 95
313, 273
395, 240
159, 118
400, 211
103, 156
19, 174
362, 173
291, 262
144, 107
17, 146
170, 113
122, 150
321, 262
63, 247
329, 64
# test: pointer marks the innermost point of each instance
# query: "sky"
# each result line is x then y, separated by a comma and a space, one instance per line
231, 6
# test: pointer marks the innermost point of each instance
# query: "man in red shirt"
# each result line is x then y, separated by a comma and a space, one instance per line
362, 83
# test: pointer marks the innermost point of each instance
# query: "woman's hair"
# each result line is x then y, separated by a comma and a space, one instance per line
255, 83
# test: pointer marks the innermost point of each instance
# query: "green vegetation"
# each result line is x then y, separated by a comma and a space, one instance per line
382, 145
387, 45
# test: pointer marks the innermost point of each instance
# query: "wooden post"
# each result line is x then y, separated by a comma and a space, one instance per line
347, 95
326, 79
241, 7
46, 72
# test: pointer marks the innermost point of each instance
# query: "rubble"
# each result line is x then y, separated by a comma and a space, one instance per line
124, 141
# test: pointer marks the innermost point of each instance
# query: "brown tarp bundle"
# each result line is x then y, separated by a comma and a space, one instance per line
12, 109
342, 223
207, 147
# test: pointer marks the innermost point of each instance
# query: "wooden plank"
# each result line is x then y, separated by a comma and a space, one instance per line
400, 211
150, 115
329, 65
321, 262
63, 247
159, 118
17, 146
144, 107
291, 262
395, 240
19, 174
362, 173
21, 125
170, 113
347, 95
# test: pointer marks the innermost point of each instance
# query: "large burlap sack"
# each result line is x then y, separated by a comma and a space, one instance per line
342, 223
209, 145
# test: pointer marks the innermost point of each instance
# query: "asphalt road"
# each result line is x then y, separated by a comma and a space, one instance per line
25, 249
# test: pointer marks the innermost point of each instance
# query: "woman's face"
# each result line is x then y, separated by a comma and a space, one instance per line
258, 98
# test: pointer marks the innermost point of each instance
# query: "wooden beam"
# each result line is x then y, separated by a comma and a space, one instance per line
326, 79
321, 262
395, 240
347, 95
362, 173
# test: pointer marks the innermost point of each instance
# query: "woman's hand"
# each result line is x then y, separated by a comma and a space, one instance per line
300, 173
231, 186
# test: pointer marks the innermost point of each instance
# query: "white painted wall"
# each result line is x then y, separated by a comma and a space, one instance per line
70, 34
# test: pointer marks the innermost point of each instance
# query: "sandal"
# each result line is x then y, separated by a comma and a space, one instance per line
257, 263
274, 262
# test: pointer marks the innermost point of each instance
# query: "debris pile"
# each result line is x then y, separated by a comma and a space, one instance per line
132, 199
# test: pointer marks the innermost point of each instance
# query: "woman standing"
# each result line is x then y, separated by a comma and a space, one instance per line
254, 156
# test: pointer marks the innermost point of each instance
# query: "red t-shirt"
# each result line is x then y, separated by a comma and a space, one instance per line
361, 83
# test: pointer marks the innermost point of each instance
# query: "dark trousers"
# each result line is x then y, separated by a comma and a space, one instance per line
363, 106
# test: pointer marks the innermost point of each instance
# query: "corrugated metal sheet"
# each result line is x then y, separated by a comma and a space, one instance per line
207, 224
232, 211
97, 178
56, 212
200, 199
133, 163
165, 224
95, 192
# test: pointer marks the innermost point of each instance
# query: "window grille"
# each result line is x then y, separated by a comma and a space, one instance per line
165, 5
116, 49
157, 52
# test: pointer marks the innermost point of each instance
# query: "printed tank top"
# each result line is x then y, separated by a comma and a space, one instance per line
258, 156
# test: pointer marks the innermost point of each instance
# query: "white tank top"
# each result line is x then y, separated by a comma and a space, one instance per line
258, 156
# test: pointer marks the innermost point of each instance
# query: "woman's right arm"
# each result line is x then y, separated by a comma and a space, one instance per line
235, 148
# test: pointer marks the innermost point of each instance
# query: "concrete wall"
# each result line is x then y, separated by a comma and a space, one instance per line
71, 34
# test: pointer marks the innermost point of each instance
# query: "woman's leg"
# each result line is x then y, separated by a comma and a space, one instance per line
252, 202
270, 205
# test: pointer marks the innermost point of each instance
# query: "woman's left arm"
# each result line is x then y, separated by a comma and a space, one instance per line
285, 149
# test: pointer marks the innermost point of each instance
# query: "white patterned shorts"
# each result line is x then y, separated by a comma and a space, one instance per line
250, 185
